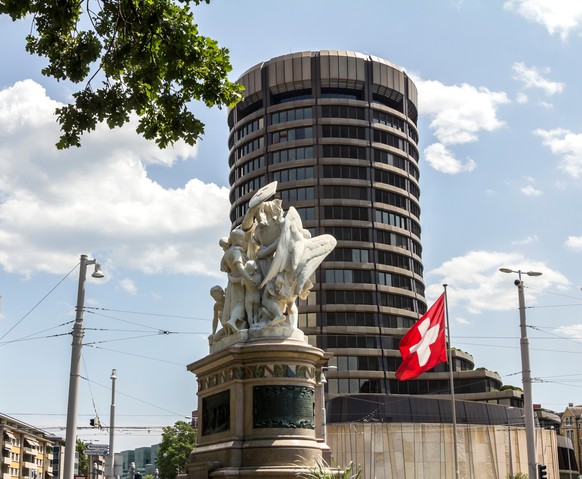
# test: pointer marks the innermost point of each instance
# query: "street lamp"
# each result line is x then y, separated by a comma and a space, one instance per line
323, 382
110, 469
526, 373
78, 331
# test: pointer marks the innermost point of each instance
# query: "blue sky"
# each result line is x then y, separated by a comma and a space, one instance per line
501, 179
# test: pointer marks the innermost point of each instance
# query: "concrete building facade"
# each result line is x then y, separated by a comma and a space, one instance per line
338, 131
27, 451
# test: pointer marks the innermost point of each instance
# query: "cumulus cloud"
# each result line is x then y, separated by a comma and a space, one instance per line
557, 16
568, 145
97, 199
476, 284
457, 113
529, 190
527, 240
573, 331
128, 286
443, 160
532, 77
460, 112
574, 243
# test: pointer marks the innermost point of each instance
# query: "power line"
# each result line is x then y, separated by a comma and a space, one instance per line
38, 303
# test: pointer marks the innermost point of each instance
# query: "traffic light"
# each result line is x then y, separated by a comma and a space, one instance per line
94, 422
542, 473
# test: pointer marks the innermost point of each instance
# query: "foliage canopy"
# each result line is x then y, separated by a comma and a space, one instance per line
175, 448
147, 54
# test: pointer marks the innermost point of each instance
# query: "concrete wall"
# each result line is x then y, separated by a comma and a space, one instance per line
426, 451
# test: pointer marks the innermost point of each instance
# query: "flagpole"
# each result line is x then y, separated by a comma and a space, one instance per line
452, 383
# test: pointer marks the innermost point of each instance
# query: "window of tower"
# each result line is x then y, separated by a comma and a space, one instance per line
251, 185
387, 119
345, 171
293, 174
343, 131
346, 233
244, 111
394, 101
348, 276
395, 280
354, 255
392, 219
250, 166
391, 300
396, 321
292, 154
291, 115
249, 128
296, 194
348, 318
307, 214
393, 199
344, 151
345, 93
343, 111
291, 96
346, 192
348, 297
352, 213
292, 134
250, 147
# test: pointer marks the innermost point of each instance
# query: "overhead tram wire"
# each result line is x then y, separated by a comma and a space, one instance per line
146, 314
38, 303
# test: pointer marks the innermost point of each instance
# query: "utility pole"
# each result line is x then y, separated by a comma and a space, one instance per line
110, 469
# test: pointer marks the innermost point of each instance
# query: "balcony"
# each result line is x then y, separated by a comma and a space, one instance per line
6, 460
6, 476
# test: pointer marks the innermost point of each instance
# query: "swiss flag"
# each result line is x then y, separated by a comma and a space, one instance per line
424, 345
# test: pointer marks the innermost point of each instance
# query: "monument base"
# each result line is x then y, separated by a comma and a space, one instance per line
259, 408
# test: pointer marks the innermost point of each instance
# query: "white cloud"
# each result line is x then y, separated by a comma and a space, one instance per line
55, 205
573, 331
566, 144
521, 98
459, 112
475, 282
557, 16
128, 286
532, 77
574, 243
443, 160
529, 190
527, 240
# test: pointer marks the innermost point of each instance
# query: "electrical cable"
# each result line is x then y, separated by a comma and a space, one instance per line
39, 302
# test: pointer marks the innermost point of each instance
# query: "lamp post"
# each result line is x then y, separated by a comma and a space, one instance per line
110, 469
78, 331
526, 373
323, 382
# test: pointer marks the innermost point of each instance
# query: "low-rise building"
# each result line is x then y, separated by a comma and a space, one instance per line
27, 451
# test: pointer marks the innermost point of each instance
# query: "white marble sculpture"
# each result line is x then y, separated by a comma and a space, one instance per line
270, 260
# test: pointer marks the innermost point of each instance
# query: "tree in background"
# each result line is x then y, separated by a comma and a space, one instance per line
175, 448
83, 459
147, 55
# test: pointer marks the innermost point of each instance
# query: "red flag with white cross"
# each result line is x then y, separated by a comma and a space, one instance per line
424, 345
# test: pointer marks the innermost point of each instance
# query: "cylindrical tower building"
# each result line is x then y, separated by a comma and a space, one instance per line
338, 131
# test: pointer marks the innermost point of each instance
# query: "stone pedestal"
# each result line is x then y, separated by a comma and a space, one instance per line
259, 407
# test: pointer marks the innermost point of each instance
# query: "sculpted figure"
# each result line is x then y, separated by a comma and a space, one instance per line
252, 292
269, 261
218, 295
232, 263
